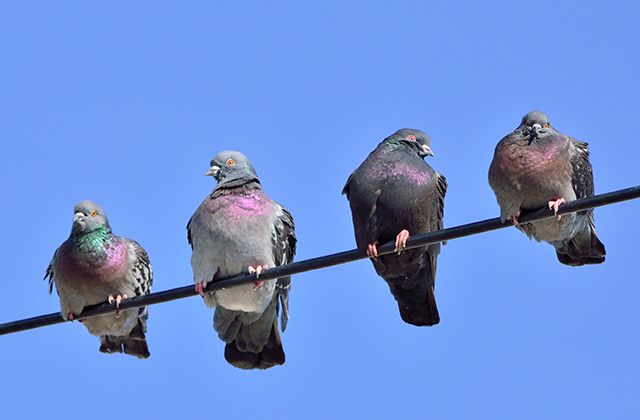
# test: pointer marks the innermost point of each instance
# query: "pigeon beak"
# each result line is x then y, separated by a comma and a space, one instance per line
213, 171
535, 128
79, 220
427, 150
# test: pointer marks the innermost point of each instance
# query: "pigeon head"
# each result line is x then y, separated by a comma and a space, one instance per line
88, 217
229, 166
533, 123
414, 138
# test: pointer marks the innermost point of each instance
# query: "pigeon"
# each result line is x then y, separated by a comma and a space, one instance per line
537, 166
238, 229
392, 195
95, 266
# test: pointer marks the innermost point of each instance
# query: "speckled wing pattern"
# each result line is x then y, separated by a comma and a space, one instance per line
142, 271
582, 179
283, 240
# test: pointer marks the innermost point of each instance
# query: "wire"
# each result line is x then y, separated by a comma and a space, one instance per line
325, 261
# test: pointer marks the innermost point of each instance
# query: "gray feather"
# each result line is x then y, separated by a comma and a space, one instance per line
235, 227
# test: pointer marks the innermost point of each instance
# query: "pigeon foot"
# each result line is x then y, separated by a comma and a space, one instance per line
258, 269
401, 240
372, 250
514, 218
555, 205
117, 300
200, 286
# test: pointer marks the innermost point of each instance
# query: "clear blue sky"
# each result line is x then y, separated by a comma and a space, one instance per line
125, 104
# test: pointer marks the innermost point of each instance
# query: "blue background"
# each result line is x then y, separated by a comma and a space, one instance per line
125, 104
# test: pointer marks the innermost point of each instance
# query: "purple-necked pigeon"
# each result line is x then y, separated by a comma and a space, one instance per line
537, 166
95, 266
392, 195
238, 229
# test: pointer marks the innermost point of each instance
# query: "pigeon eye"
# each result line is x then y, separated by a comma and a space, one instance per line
230, 162
546, 125
94, 213
412, 138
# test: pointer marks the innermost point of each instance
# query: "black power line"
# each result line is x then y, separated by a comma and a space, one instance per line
325, 261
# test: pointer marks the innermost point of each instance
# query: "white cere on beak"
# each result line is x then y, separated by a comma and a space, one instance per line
427, 150
213, 171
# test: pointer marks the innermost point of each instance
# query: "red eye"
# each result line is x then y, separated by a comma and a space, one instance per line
230, 162
412, 138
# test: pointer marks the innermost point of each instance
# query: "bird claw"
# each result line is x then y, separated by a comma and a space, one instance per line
555, 205
258, 269
372, 250
257, 285
200, 286
401, 240
514, 219
117, 299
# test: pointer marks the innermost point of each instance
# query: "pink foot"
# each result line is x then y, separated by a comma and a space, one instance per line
514, 218
200, 287
117, 299
257, 270
71, 315
401, 240
257, 285
555, 205
372, 250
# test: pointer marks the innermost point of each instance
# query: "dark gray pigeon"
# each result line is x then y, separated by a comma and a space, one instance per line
94, 266
537, 166
394, 194
236, 229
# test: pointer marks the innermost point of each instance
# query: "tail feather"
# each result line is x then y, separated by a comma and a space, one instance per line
272, 354
411, 279
253, 340
135, 344
584, 248
417, 307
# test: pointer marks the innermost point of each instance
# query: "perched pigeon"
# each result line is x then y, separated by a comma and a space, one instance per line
94, 266
236, 229
394, 194
537, 166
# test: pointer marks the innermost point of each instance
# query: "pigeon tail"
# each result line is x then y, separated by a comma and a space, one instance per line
416, 307
253, 340
134, 345
272, 354
584, 248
